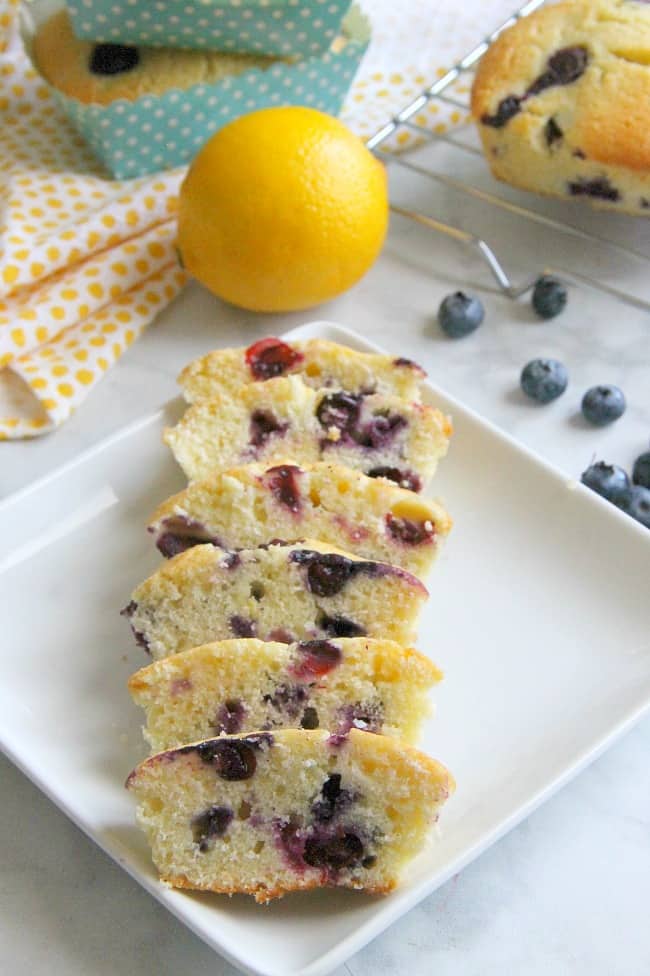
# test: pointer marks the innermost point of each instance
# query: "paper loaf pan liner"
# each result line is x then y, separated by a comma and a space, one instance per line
284, 27
155, 132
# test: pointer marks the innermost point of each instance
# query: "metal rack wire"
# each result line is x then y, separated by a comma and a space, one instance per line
440, 91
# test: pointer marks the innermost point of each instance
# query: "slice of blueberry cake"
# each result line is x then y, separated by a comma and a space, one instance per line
562, 101
319, 362
243, 685
305, 591
269, 422
252, 504
273, 812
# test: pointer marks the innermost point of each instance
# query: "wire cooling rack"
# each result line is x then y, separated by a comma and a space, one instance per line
446, 90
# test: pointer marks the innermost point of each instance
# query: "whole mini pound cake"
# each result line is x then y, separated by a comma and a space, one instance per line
243, 685
318, 362
269, 813
286, 418
562, 101
253, 504
102, 73
305, 591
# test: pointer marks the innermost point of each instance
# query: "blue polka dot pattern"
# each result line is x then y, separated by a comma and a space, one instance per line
285, 27
162, 131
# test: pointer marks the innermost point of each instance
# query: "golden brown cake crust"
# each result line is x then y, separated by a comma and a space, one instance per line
599, 121
64, 59
262, 894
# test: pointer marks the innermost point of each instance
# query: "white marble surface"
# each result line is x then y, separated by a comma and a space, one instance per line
568, 891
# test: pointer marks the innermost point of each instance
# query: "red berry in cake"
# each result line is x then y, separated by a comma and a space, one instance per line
271, 357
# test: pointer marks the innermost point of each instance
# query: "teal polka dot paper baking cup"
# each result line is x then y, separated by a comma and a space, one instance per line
158, 132
284, 27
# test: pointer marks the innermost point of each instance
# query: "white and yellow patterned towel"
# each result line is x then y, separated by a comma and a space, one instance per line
86, 263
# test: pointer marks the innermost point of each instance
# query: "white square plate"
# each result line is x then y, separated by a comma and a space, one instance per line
538, 616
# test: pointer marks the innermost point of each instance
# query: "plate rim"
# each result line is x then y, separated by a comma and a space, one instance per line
378, 922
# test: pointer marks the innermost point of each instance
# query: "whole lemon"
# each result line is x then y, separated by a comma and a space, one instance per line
282, 209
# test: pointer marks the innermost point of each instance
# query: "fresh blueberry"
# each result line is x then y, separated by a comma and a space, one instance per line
638, 505
602, 405
641, 470
549, 297
608, 480
544, 379
459, 314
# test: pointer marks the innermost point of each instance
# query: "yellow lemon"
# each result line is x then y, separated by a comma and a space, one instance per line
282, 209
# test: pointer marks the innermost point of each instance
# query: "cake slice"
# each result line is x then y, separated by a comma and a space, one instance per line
319, 362
305, 591
274, 812
284, 418
245, 684
254, 503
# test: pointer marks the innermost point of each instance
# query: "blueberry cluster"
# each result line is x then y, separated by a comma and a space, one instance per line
632, 496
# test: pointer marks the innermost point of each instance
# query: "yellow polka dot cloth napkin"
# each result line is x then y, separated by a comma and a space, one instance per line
86, 263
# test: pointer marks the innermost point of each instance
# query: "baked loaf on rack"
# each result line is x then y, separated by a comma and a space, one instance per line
562, 101
247, 506
245, 684
102, 73
269, 813
318, 362
305, 591
284, 418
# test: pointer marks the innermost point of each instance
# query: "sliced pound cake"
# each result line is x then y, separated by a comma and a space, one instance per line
284, 418
274, 812
319, 362
287, 593
246, 684
254, 504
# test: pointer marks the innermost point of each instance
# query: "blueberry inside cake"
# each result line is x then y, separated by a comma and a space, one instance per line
243, 685
284, 418
562, 101
318, 362
253, 504
268, 813
304, 591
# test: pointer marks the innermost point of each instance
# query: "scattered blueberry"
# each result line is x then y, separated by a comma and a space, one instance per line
544, 379
641, 470
602, 405
460, 314
608, 480
549, 297
638, 505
